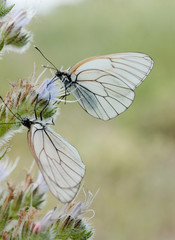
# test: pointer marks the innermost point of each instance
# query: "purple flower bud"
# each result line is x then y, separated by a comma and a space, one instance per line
49, 90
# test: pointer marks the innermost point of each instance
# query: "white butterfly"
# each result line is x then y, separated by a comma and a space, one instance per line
104, 85
58, 161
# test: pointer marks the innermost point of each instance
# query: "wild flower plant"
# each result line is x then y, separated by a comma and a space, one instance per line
13, 35
21, 208
21, 205
21, 100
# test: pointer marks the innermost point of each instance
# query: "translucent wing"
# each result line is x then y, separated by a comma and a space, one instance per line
58, 161
104, 85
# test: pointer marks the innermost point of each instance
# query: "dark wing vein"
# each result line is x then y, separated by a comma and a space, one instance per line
93, 86
63, 185
108, 72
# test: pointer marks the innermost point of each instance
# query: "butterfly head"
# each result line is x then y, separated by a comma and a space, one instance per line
27, 122
64, 77
59, 74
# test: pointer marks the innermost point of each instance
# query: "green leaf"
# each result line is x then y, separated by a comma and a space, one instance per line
35, 197
1, 44
21, 40
4, 153
4, 9
72, 229
12, 39
5, 218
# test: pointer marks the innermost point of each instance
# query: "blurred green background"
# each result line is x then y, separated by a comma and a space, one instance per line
132, 157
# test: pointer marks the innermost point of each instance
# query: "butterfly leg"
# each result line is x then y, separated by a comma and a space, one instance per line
36, 102
41, 113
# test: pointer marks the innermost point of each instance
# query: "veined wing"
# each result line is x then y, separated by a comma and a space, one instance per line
58, 161
105, 85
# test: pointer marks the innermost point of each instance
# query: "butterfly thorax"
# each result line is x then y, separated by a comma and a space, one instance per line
65, 78
28, 123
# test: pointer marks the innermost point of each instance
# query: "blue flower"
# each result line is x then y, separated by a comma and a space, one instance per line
62, 214
83, 207
49, 90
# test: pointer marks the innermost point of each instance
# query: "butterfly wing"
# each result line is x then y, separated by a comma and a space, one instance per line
104, 85
58, 161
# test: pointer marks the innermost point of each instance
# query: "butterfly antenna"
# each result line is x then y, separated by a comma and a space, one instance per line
46, 58
10, 123
19, 117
